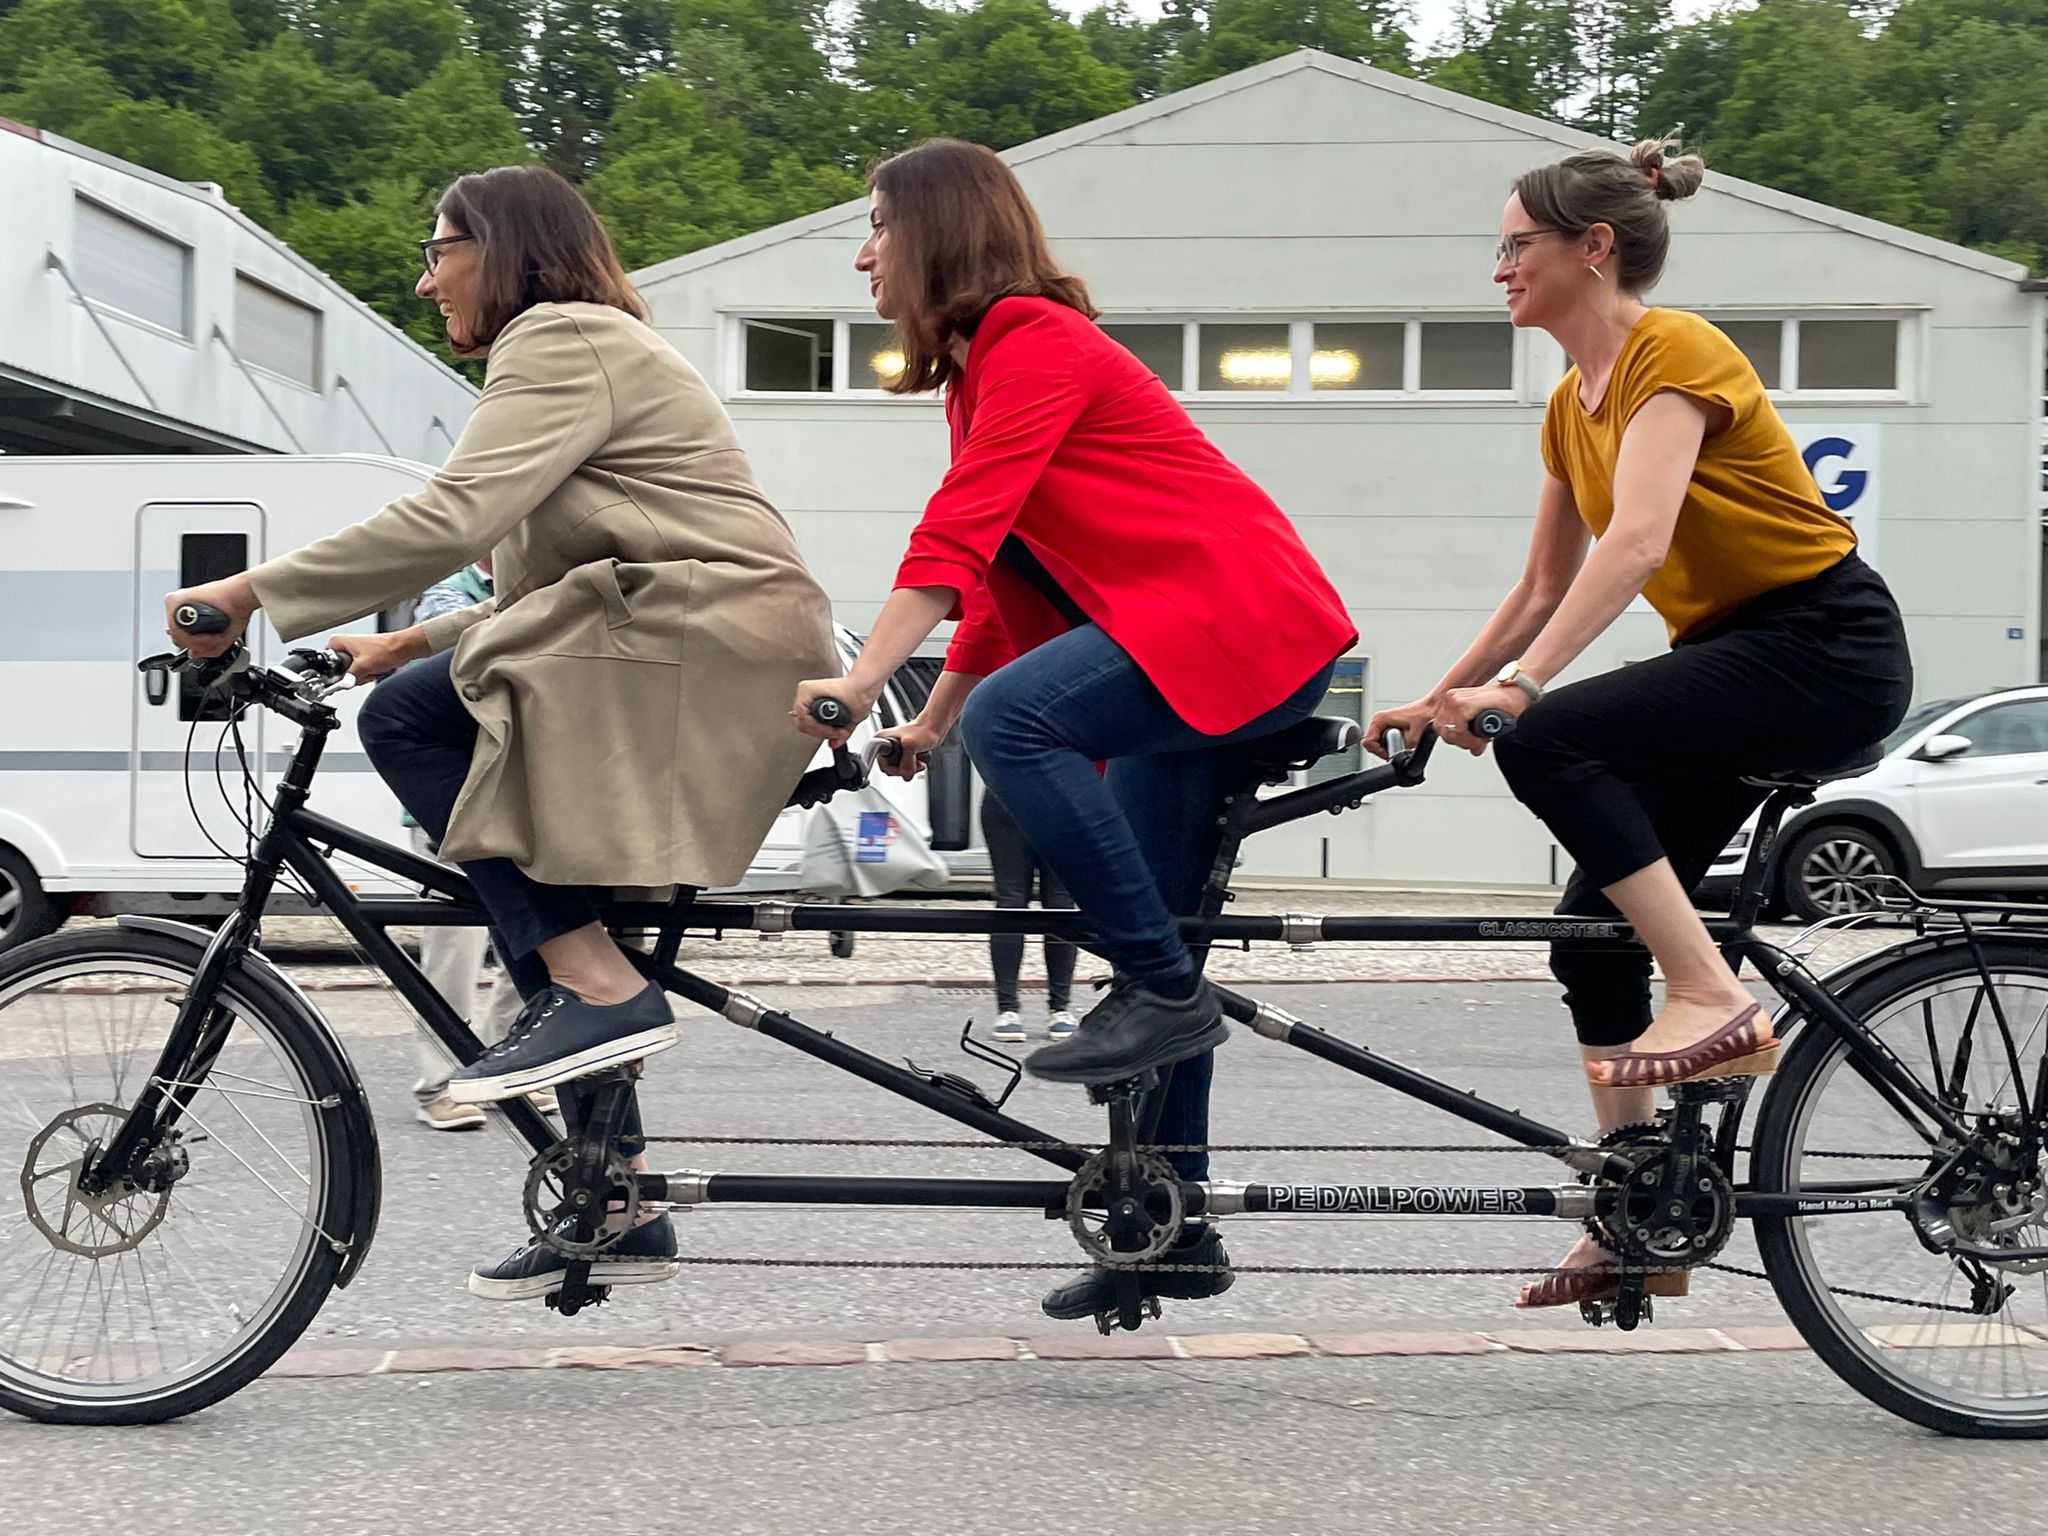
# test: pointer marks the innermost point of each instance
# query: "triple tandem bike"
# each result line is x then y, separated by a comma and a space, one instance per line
189, 1164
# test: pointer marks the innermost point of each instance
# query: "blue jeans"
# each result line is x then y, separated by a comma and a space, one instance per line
1133, 846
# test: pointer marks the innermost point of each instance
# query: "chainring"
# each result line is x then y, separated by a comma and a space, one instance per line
94, 1226
1153, 1212
1690, 1226
553, 1213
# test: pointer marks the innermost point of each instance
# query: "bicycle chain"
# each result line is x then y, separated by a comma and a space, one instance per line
1019, 1265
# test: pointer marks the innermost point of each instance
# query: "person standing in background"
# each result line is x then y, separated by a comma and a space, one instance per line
1016, 866
452, 959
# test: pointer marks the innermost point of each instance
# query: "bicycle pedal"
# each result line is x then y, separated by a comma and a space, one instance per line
571, 1299
1110, 1319
1714, 1090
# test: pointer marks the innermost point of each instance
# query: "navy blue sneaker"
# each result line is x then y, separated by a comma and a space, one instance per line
644, 1256
1131, 1031
558, 1036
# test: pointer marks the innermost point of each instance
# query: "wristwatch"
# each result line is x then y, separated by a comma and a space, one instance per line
1513, 673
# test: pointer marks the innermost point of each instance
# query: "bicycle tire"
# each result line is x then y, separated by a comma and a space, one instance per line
1808, 1299
261, 1002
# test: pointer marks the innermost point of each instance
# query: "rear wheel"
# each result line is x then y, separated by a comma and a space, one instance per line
162, 1295
1957, 1345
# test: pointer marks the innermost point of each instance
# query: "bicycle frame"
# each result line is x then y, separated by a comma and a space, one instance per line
303, 840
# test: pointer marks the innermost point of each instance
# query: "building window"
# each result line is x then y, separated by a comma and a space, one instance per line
131, 268
1345, 700
1821, 354
277, 333
203, 558
875, 357
1162, 348
1245, 357
787, 357
1358, 355
1469, 356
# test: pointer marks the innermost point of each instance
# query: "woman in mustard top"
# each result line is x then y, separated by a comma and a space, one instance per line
1662, 445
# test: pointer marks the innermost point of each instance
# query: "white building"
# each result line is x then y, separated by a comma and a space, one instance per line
142, 315
1304, 251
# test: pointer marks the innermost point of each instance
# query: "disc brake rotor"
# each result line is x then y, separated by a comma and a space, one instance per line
93, 1226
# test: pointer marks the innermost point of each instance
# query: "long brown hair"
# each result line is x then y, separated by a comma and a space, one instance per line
962, 234
1626, 193
541, 243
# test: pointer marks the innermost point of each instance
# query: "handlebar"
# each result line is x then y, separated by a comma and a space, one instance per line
199, 619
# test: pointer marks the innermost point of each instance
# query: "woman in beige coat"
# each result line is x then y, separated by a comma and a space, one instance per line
652, 619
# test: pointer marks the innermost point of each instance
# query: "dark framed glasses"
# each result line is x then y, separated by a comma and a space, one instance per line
430, 250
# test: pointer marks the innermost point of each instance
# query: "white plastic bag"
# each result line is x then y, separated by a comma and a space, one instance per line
863, 844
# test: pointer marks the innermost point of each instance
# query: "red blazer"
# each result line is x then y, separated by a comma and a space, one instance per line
1078, 449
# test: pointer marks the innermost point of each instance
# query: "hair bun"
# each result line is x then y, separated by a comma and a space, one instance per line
1673, 173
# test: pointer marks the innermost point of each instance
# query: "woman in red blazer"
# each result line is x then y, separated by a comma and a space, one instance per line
1126, 596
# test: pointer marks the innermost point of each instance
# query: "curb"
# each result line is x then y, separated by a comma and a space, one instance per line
302, 1364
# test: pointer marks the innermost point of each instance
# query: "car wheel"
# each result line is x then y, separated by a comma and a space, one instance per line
26, 911
1831, 871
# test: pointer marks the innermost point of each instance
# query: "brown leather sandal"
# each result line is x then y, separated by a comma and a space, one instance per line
1598, 1282
1743, 1047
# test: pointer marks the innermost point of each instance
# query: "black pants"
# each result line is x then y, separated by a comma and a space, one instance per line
1646, 762
1017, 869
420, 740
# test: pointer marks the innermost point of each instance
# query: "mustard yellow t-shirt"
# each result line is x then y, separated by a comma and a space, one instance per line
1752, 520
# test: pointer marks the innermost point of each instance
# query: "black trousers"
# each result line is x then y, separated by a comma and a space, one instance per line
1017, 869
1647, 762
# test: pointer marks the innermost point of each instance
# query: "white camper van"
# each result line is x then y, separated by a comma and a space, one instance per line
111, 798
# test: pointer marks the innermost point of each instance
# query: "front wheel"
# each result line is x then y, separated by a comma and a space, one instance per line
1957, 1345
159, 1296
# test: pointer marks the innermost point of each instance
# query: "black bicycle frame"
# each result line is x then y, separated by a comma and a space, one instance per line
303, 841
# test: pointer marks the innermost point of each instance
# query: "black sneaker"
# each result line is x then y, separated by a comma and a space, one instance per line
558, 1036
1094, 1293
644, 1256
1133, 1030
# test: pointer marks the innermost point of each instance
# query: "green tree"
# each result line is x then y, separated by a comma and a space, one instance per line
1620, 42
315, 131
178, 142
1242, 33
762, 65
366, 244
393, 44
1518, 54
454, 122
153, 50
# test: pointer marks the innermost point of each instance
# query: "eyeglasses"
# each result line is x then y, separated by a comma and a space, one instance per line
1509, 251
430, 250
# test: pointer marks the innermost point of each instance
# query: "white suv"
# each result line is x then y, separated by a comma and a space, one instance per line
1958, 803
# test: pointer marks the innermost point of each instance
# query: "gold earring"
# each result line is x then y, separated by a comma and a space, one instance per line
1596, 272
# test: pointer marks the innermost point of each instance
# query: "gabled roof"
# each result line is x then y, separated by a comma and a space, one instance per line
210, 196
1415, 90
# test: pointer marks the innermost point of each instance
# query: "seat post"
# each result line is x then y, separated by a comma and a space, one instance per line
1749, 889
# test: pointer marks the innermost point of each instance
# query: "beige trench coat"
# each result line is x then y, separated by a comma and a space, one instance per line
632, 678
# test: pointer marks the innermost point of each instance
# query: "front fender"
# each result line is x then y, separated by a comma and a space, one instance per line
365, 1181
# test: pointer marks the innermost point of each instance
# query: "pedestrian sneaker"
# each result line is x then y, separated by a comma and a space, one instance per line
1009, 1028
1061, 1025
558, 1036
444, 1114
644, 1256
545, 1101
1133, 1030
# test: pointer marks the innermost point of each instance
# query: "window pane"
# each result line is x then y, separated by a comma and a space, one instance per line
131, 268
1357, 355
1762, 342
205, 557
789, 356
1254, 357
1848, 354
1480, 356
2006, 730
873, 357
278, 333
1344, 701
1158, 347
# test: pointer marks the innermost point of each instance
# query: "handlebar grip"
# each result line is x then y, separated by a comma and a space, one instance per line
830, 712
887, 749
1492, 724
199, 619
